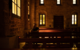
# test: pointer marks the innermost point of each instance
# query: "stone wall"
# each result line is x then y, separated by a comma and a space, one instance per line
11, 25
2, 33
51, 9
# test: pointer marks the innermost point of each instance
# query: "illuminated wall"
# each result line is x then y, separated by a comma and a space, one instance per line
53, 8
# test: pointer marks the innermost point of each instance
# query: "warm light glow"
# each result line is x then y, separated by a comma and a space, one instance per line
54, 36
41, 1
43, 19
40, 19
46, 37
16, 7
50, 36
58, 1
40, 43
13, 8
49, 31
28, 10
28, 19
74, 1
49, 43
55, 43
19, 37
18, 11
19, 3
40, 37
28, 2
15, 1
33, 43
72, 36
64, 43
74, 19
74, 45
58, 36
74, 48
22, 44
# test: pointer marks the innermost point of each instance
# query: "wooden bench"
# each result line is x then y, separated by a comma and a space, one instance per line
52, 40
33, 43
54, 35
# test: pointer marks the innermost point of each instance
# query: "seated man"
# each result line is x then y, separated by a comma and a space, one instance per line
35, 29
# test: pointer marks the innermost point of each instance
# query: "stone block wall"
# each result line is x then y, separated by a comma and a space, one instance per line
11, 25
2, 33
51, 9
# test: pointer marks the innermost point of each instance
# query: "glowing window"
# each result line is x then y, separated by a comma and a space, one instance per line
74, 19
42, 19
58, 1
19, 3
13, 8
13, 0
16, 7
41, 1
28, 10
74, 1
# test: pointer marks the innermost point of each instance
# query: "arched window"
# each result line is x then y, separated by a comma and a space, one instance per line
42, 19
74, 19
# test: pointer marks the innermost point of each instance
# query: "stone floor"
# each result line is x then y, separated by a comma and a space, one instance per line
46, 49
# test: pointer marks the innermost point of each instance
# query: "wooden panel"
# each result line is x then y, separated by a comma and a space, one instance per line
58, 22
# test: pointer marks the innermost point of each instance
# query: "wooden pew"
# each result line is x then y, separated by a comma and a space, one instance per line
56, 35
58, 42
62, 39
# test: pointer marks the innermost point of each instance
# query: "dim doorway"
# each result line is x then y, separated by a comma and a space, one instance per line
58, 22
